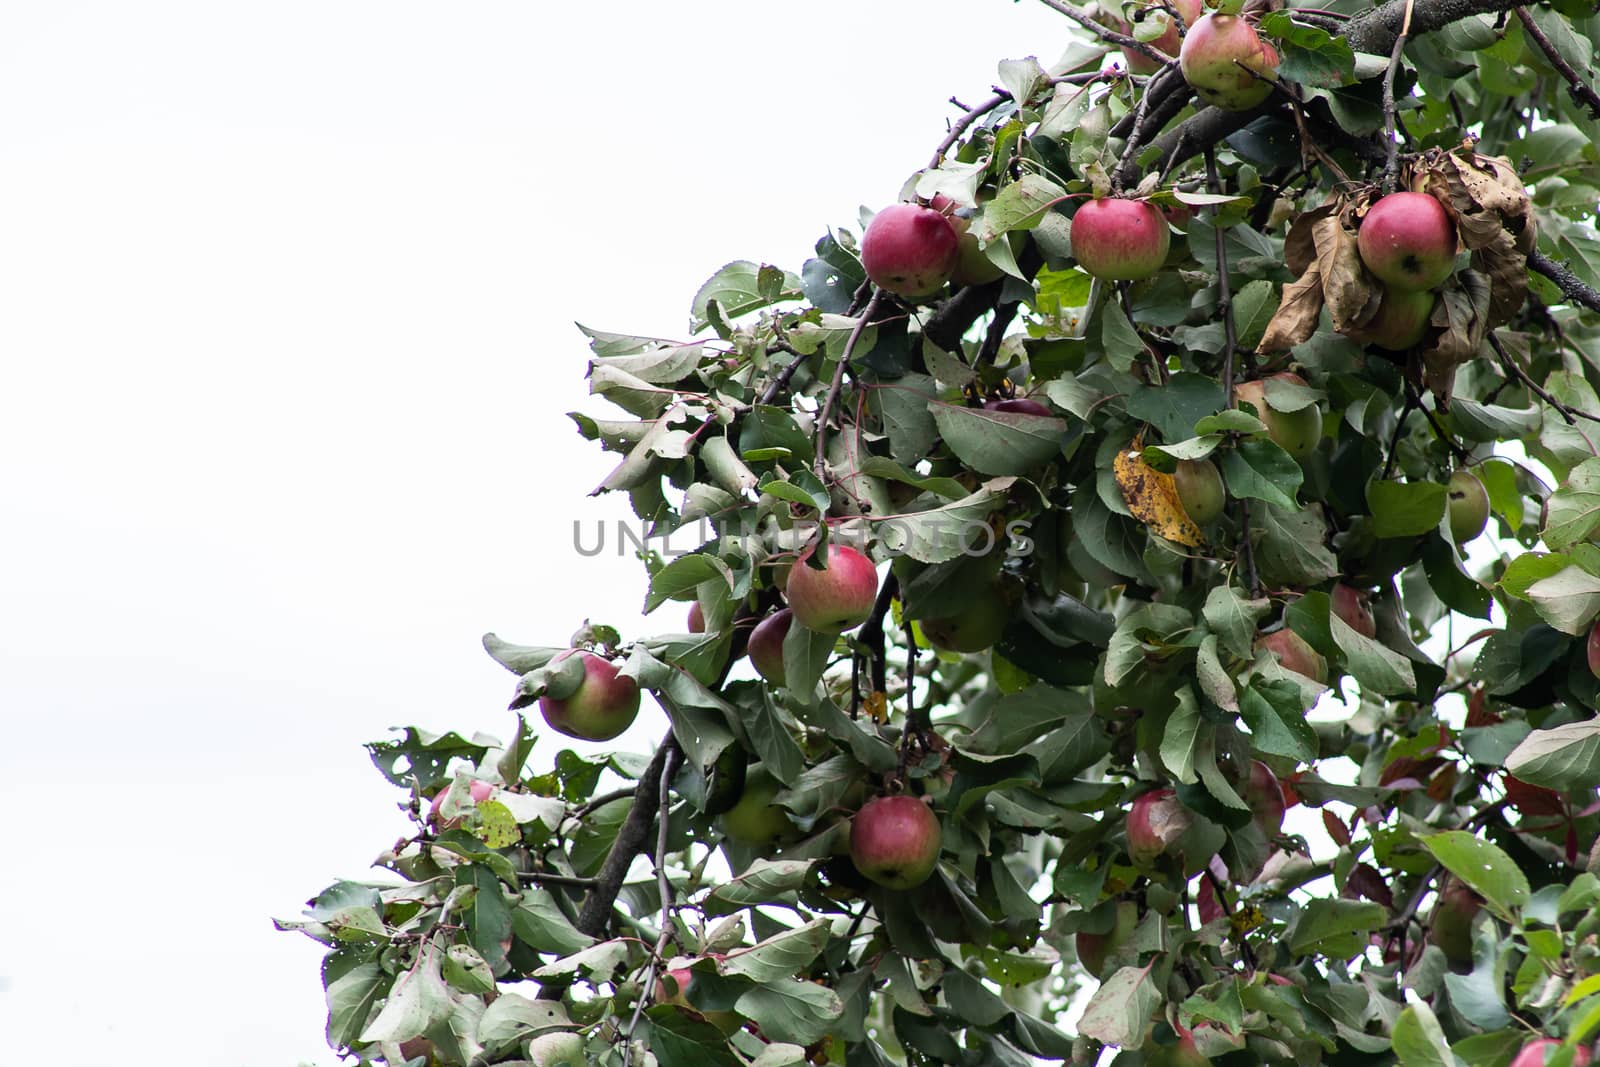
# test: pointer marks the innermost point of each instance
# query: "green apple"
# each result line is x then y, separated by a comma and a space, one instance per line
755, 820
1296, 432
1200, 490
1469, 506
977, 627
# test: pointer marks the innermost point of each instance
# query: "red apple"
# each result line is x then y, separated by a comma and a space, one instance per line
1156, 821
1350, 605
1408, 240
1170, 41
1469, 506
977, 627
1296, 432
479, 791
1450, 925
697, 619
415, 1047
603, 706
1200, 490
1019, 405
1120, 240
1537, 1051
1294, 653
1265, 797
1594, 650
837, 598
909, 250
765, 648
1227, 63
1402, 319
895, 841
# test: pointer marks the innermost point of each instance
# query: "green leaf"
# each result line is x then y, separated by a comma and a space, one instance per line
1276, 720
1234, 619
998, 442
1483, 866
1175, 407
1564, 757
513, 1018
940, 534
1259, 469
1120, 1009
762, 882
790, 1009
1018, 205
1181, 737
1568, 600
1573, 512
680, 578
779, 956
417, 1000
539, 922
1419, 1039
1292, 550
1376, 666
679, 1039
1337, 928
1405, 509
1118, 337
738, 290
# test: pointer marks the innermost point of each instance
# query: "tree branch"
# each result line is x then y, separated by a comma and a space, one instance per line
1580, 90
1376, 30
838, 380
1391, 143
1568, 282
1105, 33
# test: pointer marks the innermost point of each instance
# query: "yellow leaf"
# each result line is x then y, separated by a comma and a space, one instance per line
1153, 498
876, 705
498, 827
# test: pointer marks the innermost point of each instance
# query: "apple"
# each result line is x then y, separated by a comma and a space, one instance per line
1170, 41
1156, 821
603, 706
1469, 506
1402, 318
415, 1047
1200, 490
837, 598
1294, 653
560, 1049
1265, 796
978, 626
1408, 240
1350, 605
1120, 240
765, 647
1182, 1054
755, 820
673, 988
1296, 432
1537, 1051
910, 250
1227, 63
1450, 925
697, 619
479, 791
1594, 650
1019, 405
895, 841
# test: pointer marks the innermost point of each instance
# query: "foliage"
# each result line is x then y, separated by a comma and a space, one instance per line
1452, 759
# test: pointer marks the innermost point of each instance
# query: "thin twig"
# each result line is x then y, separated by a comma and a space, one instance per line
826, 414
548, 878
1155, 88
1456, 448
871, 633
1247, 548
600, 801
959, 127
1581, 91
664, 887
1105, 33
1571, 414
1391, 144
1224, 288
1568, 282
1399, 427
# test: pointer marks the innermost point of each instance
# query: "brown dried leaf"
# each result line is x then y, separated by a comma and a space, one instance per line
1152, 497
1299, 309
1299, 247
1351, 298
1463, 314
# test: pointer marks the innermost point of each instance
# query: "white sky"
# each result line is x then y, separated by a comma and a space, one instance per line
286, 294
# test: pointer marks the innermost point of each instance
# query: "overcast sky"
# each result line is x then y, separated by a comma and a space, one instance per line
286, 305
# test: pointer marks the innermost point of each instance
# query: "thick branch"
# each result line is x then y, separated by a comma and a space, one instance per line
1375, 31
631, 838
1581, 91
1569, 283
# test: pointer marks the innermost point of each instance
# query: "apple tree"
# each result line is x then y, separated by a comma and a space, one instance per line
1143, 601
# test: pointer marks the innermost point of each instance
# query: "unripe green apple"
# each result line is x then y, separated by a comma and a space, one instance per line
1296, 432
604, 705
1227, 63
895, 841
1469, 506
765, 647
1157, 820
836, 598
1264, 794
1294, 654
909, 250
1536, 1052
1402, 318
978, 626
755, 820
1350, 604
1200, 490
1450, 925
560, 1049
1120, 240
1408, 241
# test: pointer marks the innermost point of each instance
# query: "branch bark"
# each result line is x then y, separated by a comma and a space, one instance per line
1581, 91
1569, 283
1105, 33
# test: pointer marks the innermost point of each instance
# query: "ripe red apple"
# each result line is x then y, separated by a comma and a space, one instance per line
1296, 432
1402, 318
1350, 605
1537, 1051
765, 648
978, 626
1265, 796
909, 250
755, 820
1450, 925
1156, 821
1019, 405
1120, 240
604, 705
479, 791
1227, 63
1594, 650
1200, 489
559, 1049
697, 619
1469, 506
1294, 653
416, 1046
1170, 41
833, 600
1408, 240
895, 841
